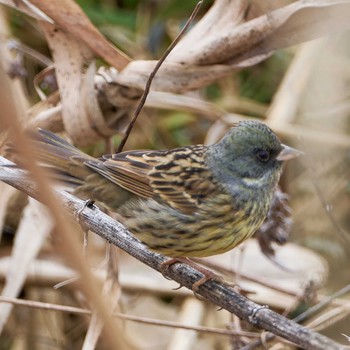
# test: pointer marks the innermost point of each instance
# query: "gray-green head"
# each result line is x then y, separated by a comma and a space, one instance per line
250, 153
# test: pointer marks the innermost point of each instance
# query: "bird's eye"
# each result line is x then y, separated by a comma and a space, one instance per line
263, 155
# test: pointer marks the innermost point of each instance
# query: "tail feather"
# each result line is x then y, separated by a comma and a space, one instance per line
66, 160
68, 165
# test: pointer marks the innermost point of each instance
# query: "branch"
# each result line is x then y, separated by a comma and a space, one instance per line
218, 293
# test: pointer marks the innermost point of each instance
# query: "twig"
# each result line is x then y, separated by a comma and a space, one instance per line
346, 336
328, 318
152, 75
33, 54
217, 292
325, 205
322, 304
244, 276
301, 317
140, 319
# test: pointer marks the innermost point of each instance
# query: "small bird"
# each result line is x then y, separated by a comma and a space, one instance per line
193, 201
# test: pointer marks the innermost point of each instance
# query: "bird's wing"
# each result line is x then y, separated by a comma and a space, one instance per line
127, 169
179, 177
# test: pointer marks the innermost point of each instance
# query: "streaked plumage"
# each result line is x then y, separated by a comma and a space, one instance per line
193, 201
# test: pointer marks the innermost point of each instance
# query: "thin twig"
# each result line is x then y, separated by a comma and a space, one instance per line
24, 49
303, 316
327, 207
245, 276
323, 303
152, 75
329, 318
140, 319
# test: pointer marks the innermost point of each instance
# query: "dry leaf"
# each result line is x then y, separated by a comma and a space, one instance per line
27, 8
34, 228
82, 118
231, 33
69, 17
171, 77
277, 225
47, 114
225, 46
238, 43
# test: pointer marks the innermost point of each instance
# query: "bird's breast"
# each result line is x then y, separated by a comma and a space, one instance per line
217, 226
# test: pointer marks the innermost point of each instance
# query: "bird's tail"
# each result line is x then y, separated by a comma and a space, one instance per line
67, 164
66, 161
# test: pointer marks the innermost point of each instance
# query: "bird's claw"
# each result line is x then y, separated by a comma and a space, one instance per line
89, 203
165, 265
208, 275
179, 287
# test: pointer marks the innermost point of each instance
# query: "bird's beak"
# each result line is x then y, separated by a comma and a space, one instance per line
288, 153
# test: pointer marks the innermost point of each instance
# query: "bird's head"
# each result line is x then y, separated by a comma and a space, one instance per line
249, 153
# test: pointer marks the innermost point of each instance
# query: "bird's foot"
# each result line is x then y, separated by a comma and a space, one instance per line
165, 265
208, 275
89, 203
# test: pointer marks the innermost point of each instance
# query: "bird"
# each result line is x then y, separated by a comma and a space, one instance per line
187, 202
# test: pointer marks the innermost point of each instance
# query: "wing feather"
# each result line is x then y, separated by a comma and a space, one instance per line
179, 177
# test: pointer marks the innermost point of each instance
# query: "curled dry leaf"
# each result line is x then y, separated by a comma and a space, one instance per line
45, 82
228, 42
82, 116
70, 70
277, 225
116, 101
70, 18
171, 77
72, 40
47, 114
27, 8
166, 100
235, 41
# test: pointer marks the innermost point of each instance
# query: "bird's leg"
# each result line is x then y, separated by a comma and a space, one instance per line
89, 203
165, 265
208, 275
